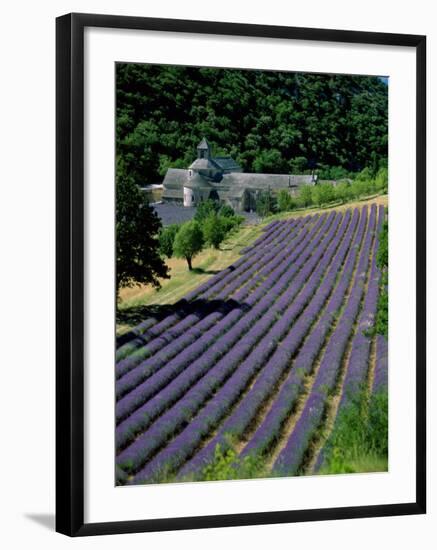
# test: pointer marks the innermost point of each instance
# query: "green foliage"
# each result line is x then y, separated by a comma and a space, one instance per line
360, 435
342, 191
268, 121
188, 242
205, 209
364, 175
226, 211
381, 180
265, 203
231, 223
166, 239
298, 165
381, 324
334, 173
214, 230
269, 161
285, 201
137, 227
305, 197
228, 465
322, 193
382, 254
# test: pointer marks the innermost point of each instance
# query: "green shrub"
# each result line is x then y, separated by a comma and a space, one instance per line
381, 180
285, 201
322, 193
381, 323
359, 441
205, 209
342, 191
265, 203
231, 222
333, 173
228, 465
166, 239
298, 165
305, 197
226, 211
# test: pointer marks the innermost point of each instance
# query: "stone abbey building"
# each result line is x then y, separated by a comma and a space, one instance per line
222, 179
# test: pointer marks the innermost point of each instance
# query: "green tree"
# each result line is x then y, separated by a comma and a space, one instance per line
214, 230
298, 165
285, 201
137, 227
381, 180
323, 193
231, 222
226, 211
269, 161
166, 239
342, 191
306, 195
205, 209
265, 203
188, 242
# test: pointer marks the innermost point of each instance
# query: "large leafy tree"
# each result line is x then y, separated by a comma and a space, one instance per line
188, 242
214, 230
137, 227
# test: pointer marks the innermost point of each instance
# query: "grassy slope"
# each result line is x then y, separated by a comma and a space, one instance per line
209, 262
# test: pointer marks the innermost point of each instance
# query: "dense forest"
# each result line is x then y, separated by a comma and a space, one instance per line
280, 122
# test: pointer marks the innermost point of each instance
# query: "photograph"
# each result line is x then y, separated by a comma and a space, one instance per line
251, 274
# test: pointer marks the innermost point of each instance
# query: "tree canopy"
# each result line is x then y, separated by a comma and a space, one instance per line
188, 241
268, 121
137, 227
166, 239
214, 230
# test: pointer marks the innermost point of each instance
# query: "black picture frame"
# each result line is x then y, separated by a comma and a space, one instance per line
70, 273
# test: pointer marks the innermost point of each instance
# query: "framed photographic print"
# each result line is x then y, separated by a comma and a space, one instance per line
240, 274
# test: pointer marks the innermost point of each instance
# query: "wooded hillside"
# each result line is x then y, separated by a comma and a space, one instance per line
268, 121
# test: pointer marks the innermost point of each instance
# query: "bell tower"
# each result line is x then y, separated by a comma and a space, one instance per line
204, 150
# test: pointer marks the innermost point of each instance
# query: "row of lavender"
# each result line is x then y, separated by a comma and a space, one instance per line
358, 373
221, 346
291, 456
269, 432
215, 287
135, 338
187, 383
256, 362
235, 287
196, 372
192, 343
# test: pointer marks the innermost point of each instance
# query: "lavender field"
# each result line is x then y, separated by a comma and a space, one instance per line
254, 366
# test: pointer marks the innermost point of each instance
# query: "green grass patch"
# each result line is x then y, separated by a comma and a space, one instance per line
359, 441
